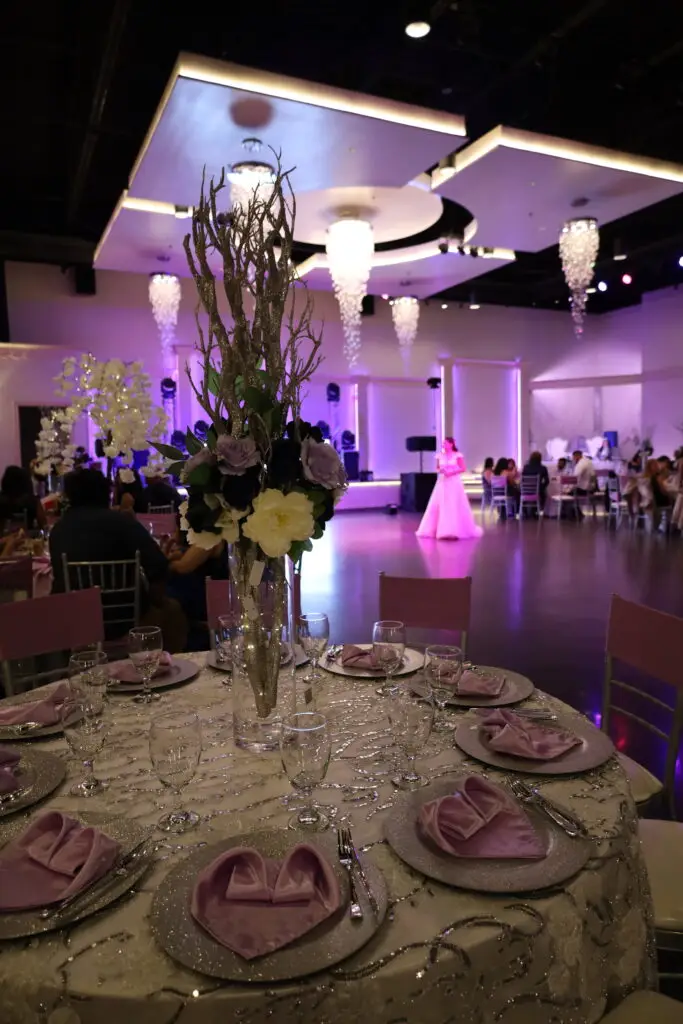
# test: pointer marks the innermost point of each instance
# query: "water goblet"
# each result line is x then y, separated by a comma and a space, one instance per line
305, 751
314, 633
175, 746
443, 668
145, 646
86, 720
411, 718
388, 648
88, 670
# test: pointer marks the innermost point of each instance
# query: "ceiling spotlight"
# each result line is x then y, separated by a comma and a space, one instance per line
626, 279
680, 261
591, 291
474, 305
444, 305
182, 212
418, 29
473, 301
602, 286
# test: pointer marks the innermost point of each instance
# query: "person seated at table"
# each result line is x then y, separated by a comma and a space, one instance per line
502, 469
584, 472
19, 506
91, 531
129, 495
535, 467
486, 475
188, 568
160, 492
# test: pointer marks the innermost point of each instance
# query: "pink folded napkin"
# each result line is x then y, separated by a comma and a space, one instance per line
355, 657
480, 820
125, 671
508, 733
479, 684
9, 760
53, 859
254, 905
46, 711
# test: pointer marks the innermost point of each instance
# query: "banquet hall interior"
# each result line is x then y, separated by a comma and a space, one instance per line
266, 277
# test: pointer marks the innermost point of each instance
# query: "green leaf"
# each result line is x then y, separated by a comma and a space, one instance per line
168, 451
214, 381
175, 468
193, 443
258, 401
318, 531
211, 438
200, 475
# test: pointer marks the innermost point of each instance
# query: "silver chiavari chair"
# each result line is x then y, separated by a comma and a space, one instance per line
119, 582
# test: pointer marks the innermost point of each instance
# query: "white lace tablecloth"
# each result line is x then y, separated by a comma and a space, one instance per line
442, 955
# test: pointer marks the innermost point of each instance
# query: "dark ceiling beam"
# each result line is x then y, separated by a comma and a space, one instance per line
61, 250
115, 32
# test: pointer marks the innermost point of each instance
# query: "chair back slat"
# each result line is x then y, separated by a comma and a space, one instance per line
119, 583
218, 601
648, 640
160, 510
531, 486
499, 486
160, 523
426, 603
44, 625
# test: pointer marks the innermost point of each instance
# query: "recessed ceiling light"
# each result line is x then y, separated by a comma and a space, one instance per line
444, 305
602, 286
418, 29
620, 256
680, 261
626, 279
474, 305
591, 291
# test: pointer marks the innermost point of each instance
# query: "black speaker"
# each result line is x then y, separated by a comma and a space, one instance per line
351, 460
416, 489
420, 444
368, 306
84, 280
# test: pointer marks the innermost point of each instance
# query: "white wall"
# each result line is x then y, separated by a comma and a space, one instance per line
485, 411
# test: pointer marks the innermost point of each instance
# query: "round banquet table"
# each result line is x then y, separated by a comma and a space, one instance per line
442, 955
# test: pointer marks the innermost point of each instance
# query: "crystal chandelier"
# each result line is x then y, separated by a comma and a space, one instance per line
405, 312
248, 179
350, 245
164, 296
579, 240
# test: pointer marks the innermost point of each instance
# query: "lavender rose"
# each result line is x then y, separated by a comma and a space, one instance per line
322, 465
236, 454
205, 455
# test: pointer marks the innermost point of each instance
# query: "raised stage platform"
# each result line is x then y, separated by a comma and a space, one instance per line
380, 493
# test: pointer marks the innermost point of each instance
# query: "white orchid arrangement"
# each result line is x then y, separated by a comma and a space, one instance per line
55, 452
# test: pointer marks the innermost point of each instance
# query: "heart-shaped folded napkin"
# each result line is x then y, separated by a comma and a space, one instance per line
480, 820
355, 657
54, 858
254, 905
125, 671
46, 711
508, 733
9, 760
479, 684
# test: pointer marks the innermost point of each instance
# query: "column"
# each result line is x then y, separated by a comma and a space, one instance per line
447, 399
359, 387
184, 406
524, 438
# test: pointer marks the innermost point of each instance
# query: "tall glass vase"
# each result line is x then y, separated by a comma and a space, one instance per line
260, 608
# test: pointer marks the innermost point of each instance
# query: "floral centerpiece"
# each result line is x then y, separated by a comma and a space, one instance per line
265, 481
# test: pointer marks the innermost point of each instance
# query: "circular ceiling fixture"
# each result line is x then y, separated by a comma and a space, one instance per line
418, 29
350, 246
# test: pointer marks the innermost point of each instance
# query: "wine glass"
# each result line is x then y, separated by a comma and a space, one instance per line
226, 627
411, 718
86, 721
87, 670
314, 633
305, 751
144, 648
175, 745
443, 668
388, 648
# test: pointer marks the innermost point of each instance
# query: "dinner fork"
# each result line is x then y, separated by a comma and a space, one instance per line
345, 855
529, 795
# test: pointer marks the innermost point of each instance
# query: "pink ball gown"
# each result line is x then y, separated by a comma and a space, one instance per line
448, 515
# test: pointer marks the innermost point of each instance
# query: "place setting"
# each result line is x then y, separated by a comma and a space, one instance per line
454, 682
148, 667
220, 656
27, 776
386, 656
274, 904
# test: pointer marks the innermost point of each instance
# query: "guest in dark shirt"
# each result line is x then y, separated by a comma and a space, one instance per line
160, 492
19, 507
130, 496
90, 531
535, 467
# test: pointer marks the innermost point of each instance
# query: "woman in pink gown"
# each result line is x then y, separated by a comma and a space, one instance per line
448, 515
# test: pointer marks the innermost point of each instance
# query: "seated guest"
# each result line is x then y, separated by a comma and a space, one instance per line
486, 475
561, 468
19, 507
129, 495
535, 467
584, 472
188, 568
160, 492
502, 469
90, 531
513, 472
661, 496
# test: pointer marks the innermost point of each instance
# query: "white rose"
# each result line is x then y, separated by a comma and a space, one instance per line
278, 519
228, 524
204, 539
182, 509
126, 476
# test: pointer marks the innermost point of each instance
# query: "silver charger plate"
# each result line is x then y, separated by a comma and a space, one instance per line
17, 924
329, 943
42, 773
565, 856
225, 666
182, 670
413, 661
515, 688
595, 748
10, 733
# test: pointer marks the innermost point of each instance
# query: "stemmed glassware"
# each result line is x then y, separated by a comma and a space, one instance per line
443, 668
175, 746
145, 646
86, 720
314, 633
87, 671
388, 648
305, 751
411, 718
